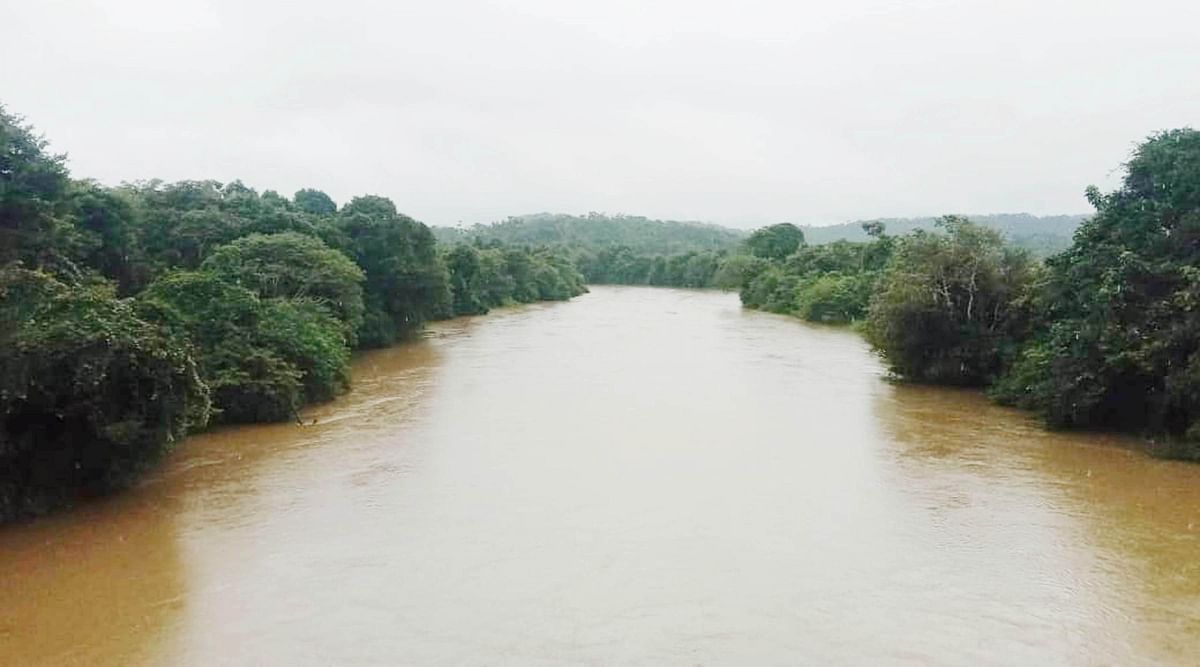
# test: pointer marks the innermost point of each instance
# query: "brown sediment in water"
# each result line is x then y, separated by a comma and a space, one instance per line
638, 475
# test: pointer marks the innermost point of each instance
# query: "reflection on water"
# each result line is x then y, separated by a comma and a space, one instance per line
636, 476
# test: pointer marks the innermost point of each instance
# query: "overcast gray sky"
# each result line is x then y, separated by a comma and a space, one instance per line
740, 113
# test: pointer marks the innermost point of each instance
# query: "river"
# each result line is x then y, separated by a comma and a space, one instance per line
643, 476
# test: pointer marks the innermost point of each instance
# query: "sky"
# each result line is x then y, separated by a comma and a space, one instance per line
740, 113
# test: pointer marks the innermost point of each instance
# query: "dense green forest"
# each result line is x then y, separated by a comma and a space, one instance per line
1105, 334
616, 249
132, 316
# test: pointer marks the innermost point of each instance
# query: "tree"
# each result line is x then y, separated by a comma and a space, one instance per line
90, 394
518, 264
314, 202
406, 282
292, 265
737, 270
181, 223
262, 359
775, 242
874, 228
496, 283
834, 298
950, 307
463, 263
1117, 341
302, 332
106, 224
32, 186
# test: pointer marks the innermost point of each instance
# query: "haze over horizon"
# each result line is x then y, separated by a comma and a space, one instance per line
470, 111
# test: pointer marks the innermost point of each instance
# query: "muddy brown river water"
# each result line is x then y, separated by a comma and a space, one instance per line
640, 476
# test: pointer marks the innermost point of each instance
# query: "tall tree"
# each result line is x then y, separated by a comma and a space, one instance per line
1118, 337
775, 242
406, 282
314, 202
950, 307
32, 186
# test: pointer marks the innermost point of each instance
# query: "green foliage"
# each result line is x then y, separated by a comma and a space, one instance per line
775, 242
829, 283
485, 277
90, 394
294, 266
1117, 340
735, 271
181, 223
32, 185
835, 298
466, 286
106, 226
497, 285
406, 282
950, 308
622, 265
596, 231
556, 276
261, 358
303, 333
1040, 235
619, 249
314, 202
771, 289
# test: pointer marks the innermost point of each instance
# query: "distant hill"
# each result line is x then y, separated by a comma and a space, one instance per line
1043, 235
595, 230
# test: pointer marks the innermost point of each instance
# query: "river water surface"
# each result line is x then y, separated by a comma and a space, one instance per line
636, 476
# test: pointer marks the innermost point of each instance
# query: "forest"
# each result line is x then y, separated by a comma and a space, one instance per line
617, 249
135, 315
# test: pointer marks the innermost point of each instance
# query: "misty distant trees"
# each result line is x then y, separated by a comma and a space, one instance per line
595, 231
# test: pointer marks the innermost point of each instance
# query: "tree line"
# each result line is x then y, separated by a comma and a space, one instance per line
592, 231
1104, 335
131, 316
1041, 235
